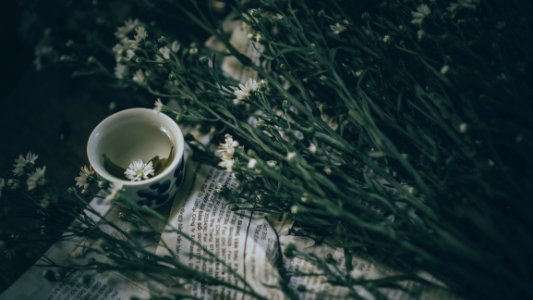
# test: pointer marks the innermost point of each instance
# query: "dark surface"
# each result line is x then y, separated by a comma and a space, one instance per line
45, 112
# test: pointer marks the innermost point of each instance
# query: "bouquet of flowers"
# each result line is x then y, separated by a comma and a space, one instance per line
398, 130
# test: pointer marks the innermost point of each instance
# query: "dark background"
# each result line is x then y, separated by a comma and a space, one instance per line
46, 112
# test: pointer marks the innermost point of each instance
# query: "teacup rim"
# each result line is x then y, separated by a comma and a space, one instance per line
176, 131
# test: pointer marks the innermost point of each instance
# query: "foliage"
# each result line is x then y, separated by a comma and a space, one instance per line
395, 129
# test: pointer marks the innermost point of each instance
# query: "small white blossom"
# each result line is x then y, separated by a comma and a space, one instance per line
19, 168
244, 91
175, 46
112, 192
13, 184
140, 34
227, 164
356, 274
338, 27
271, 163
120, 71
444, 69
130, 54
295, 209
386, 39
124, 30
158, 105
165, 52
420, 34
422, 11
463, 127
139, 77
291, 155
36, 178
138, 170
312, 148
327, 170
227, 149
251, 163
84, 179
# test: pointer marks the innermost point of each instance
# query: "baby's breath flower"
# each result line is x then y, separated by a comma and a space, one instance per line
225, 151
422, 11
36, 178
165, 52
22, 162
138, 170
251, 163
124, 30
386, 39
295, 209
193, 49
140, 34
120, 71
244, 91
356, 274
338, 27
158, 105
175, 46
271, 163
312, 148
291, 155
227, 164
139, 77
420, 34
112, 192
13, 184
444, 69
327, 170
86, 177
463, 127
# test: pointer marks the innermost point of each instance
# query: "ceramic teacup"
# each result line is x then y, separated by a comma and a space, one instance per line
139, 133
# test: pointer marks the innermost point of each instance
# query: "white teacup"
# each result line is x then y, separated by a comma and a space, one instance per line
139, 133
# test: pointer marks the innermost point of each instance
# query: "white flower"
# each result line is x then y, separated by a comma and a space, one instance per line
175, 46
386, 39
422, 11
112, 192
338, 28
226, 150
245, 90
21, 162
139, 77
129, 25
291, 155
357, 274
2, 185
271, 163
444, 69
251, 163
158, 105
84, 179
227, 164
120, 71
165, 52
36, 178
312, 148
138, 170
463, 127
129, 54
140, 34
13, 184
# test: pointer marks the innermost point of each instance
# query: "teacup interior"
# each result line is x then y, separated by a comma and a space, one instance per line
134, 138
